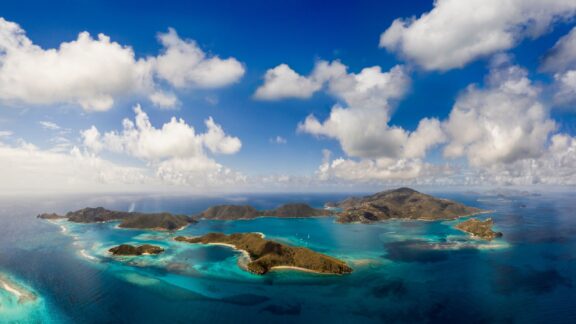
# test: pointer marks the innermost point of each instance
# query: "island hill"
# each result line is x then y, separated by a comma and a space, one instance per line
266, 255
479, 229
236, 212
134, 220
402, 203
129, 250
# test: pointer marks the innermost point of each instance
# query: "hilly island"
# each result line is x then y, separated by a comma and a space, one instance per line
234, 212
402, 203
266, 254
134, 220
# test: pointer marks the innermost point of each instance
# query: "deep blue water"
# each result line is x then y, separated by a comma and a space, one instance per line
404, 271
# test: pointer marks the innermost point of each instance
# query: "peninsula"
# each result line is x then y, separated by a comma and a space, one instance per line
134, 220
480, 229
402, 203
266, 255
235, 212
127, 249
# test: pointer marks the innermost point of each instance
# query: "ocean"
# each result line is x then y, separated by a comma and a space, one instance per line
404, 271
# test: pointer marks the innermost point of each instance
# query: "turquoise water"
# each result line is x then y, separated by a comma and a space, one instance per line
404, 271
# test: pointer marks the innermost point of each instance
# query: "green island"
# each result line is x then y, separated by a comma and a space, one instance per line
128, 250
402, 203
235, 212
480, 229
266, 255
134, 220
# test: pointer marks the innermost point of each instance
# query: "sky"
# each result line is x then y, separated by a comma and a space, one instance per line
230, 96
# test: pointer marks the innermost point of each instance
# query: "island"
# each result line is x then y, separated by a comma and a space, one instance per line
236, 212
265, 255
133, 220
129, 250
479, 229
402, 203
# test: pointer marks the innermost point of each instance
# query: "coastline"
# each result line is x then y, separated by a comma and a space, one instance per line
22, 294
280, 268
420, 219
233, 247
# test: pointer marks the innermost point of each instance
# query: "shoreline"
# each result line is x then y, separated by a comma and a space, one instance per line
280, 268
247, 257
21, 293
421, 219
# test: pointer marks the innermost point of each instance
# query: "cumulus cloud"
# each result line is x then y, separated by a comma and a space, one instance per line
184, 64
360, 121
457, 32
283, 82
502, 123
175, 151
95, 72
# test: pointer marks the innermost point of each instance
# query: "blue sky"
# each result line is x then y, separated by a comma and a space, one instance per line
259, 36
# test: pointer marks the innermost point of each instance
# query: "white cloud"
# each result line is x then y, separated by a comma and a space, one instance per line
217, 141
184, 64
563, 55
175, 151
283, 82
5, 133
199, 171
26, 168
500, 124
163, 99
49, 125
91, 139
95, 72
457, 32
176, 139
556, 166
561, 61
360, 121
370, 169
89, 72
